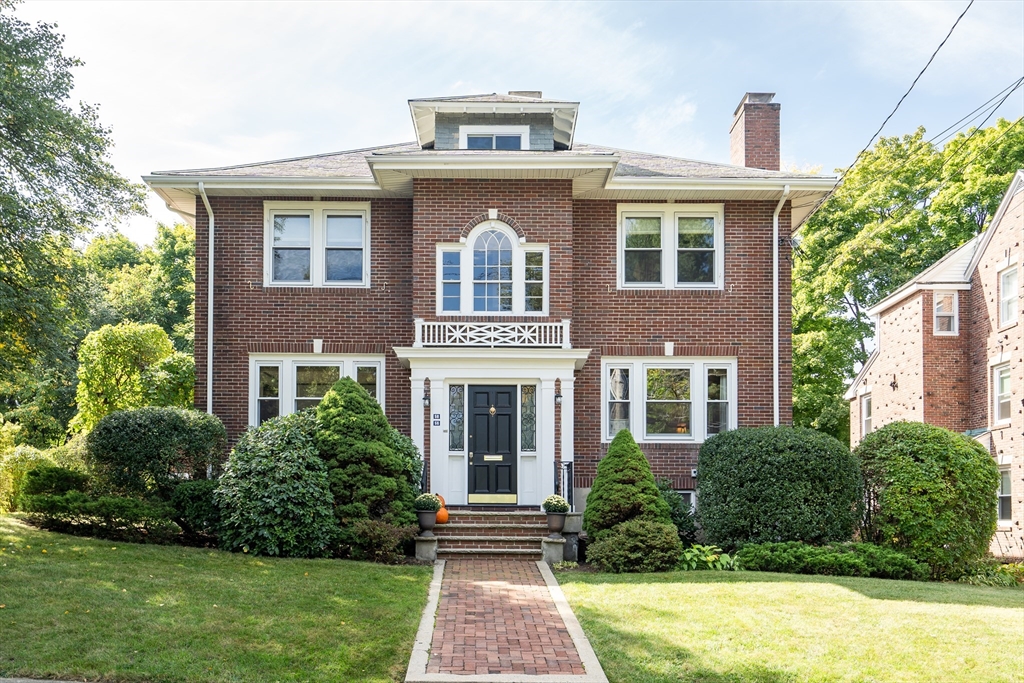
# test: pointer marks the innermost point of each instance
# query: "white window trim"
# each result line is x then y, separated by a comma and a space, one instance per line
1004, 521
522, 131
698, 367
935, 313
670, 242
864, 399
995, 395
286, 380
318, 212
519, 249
1003, 298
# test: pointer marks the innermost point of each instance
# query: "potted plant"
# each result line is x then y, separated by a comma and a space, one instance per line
426, 506
556, 507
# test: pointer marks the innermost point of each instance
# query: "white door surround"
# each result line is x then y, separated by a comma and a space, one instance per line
445, 366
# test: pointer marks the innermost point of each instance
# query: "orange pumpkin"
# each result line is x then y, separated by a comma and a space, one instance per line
441, 498
442, 516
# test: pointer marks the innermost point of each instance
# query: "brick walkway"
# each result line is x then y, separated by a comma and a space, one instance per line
497, 617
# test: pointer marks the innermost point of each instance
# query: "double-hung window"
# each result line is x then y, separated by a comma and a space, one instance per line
494, 137
1001, 393
317, 244
671, 246
1005, 499
946, 314
668, 398
283, 385
492, 273
1008, 286
865, 414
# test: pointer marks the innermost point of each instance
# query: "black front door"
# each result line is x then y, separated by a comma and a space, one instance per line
492, 445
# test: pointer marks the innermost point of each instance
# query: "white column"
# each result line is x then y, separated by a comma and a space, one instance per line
568, 415
417, 414
546, 432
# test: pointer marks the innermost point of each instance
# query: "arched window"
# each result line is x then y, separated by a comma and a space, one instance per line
492, 273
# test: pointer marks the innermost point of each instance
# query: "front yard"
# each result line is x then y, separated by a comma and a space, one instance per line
718, 627
84, 609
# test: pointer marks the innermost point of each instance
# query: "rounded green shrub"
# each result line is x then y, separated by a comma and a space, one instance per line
637, 545
146, 451
836, 559
14, 465
772, 484
373, 471
930, 493
274, 496
195, 509
623, 489
54, 480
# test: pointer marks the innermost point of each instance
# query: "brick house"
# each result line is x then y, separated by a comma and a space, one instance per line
950, 352
510, 296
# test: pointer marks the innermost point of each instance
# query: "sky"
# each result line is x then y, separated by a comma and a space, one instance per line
201, 84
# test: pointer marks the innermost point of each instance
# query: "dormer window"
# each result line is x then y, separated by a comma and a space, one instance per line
494, 137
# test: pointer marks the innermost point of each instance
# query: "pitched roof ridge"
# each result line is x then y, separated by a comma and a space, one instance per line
287, 159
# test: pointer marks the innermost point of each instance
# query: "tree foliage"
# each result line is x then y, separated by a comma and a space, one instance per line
903, 206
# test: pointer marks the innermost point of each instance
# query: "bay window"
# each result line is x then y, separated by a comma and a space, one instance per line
668, 398
317, 244
283, 385
671, 246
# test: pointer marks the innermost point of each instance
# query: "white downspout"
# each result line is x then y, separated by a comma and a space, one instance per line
775, 300
209, 305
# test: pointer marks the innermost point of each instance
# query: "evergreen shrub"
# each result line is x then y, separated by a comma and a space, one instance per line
110, 517
623, 489
836, 559
195, 509
774, 484
679, 512
51, 479
930, 493
274, 496
145, 452
636, 545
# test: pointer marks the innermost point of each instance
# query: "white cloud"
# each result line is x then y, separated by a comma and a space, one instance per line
664, 128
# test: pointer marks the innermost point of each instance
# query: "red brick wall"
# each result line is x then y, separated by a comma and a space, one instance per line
249, 317
736, 321
944, 367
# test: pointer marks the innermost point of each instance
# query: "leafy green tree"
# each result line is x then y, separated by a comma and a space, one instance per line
174, 283
903, 206
56, 182
119, 368
107, 254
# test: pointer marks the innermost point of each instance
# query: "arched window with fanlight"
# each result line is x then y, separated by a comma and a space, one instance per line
494, 272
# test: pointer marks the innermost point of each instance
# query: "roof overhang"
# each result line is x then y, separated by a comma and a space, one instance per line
587, 171
905, 293
424, 114
477, 358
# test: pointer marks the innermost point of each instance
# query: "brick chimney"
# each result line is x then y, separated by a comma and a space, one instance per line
754, 137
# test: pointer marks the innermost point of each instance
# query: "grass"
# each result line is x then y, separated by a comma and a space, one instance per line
85, 609
725, 627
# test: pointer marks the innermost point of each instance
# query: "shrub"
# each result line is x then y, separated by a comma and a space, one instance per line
637, 545
929, 493
72, 454
274, 496
426, 502
701, 557
195, 509
992, 572
679, 512
379, 541
771, 484
14, 465
555, 505
110, 517
55, 480
369, 478
838, 559
623, 489
147, 451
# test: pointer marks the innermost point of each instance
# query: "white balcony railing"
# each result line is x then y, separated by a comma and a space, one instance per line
492, 334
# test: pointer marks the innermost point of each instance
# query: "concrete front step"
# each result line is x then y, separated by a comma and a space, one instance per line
503, 553
504, 533
467, 529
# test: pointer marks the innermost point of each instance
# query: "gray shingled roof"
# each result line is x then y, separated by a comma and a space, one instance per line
352, 164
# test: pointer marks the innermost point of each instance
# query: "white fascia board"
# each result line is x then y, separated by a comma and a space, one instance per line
901, 294
503, 161
259, 183
482, 357
823, 184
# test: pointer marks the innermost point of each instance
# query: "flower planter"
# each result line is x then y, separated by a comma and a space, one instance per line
428, 518
556, 522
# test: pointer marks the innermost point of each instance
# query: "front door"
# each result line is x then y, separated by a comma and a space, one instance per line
492, 445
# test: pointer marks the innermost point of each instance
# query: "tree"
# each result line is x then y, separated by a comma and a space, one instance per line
56, 182
107, 254
902, 207
120, 367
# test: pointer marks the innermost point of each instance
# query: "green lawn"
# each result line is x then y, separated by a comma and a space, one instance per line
80, 608
717, 627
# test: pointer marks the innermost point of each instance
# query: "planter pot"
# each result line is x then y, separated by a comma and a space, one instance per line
428, 518
556, 522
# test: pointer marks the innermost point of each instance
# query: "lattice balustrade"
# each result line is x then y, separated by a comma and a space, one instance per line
492, 334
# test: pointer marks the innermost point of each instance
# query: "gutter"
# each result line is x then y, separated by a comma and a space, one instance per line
775, 300
209, 304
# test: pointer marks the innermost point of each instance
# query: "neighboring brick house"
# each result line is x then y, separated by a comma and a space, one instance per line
510, 296
950, 352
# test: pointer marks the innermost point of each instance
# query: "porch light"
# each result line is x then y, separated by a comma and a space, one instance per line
558, 399
426, 399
